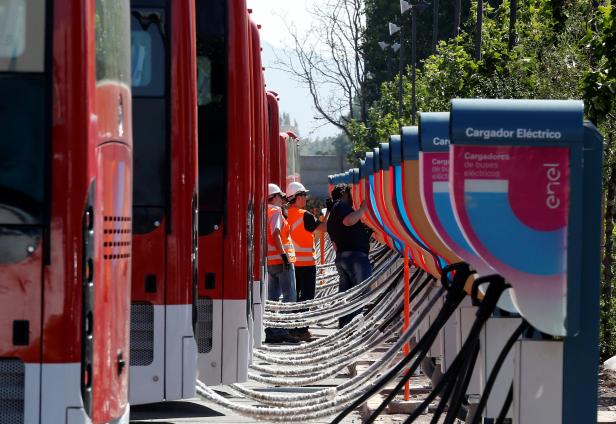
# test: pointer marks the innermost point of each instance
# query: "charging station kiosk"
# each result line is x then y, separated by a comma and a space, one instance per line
525, 178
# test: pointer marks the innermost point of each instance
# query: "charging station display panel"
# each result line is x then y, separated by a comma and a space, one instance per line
434, 186
511, 166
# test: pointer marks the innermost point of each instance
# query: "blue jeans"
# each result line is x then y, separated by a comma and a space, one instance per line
353, 268
280, 281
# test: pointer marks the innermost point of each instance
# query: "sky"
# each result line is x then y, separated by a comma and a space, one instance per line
294, 98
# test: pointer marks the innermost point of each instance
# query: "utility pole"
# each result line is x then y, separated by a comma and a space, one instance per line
457, 4
434, 26
413, 63
513, 17
400, 74
393, 28
478, 28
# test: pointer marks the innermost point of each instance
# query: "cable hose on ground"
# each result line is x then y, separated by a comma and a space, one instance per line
332, 369
423, 284
299, 320
500, 360
355, 322
351, 326
380, 274
323, 409
359, 296
342, 336
377, 274
420, 351
375, 367
321, 360
390, 375
317, 354
339, 344
454, 297
483, 313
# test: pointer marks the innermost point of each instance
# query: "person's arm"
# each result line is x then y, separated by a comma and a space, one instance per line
312, 224
280, 246
354, 217
278, 241
322, 228
275, 226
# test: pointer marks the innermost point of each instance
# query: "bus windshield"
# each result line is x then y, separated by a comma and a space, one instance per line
23, 111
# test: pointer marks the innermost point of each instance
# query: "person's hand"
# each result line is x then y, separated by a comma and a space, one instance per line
285, 261
329, 204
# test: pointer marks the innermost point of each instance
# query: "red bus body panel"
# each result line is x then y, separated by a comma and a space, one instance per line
166, 252
225, 252
275, 153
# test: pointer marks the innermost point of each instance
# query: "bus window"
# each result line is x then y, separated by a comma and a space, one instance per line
23, 112
148, 52
212, 111
112, 58
149, 75
22, 35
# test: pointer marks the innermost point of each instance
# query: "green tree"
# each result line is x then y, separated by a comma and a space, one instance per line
599, 85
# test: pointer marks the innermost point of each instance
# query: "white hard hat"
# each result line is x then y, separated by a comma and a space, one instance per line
294, 188
273, 189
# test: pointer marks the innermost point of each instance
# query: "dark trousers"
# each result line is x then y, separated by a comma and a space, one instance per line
353, 268
305, 282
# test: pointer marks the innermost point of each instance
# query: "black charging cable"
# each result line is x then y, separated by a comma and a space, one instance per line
461, 363
454, 297
500, 360
506, 405
392, 373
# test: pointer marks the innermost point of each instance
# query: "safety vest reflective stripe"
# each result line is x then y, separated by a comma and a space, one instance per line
296, 224
273, 257
303, 240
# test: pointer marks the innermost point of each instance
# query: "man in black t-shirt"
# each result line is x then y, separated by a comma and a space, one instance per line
351, 239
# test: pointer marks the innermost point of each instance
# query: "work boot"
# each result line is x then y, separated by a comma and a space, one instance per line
283, 338
290, 339
304, 335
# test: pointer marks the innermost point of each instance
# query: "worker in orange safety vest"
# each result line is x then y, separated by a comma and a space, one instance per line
280, 260
303, 226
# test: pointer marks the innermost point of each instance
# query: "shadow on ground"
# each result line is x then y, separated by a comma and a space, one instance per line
170, 410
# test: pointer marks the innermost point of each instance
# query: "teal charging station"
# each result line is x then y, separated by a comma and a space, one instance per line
525, 179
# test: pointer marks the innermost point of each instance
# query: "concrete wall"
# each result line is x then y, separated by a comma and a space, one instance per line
315, 169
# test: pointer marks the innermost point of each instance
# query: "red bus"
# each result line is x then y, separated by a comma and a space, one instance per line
65, 211
225, 191
291, 165
261, 162
163, 349
276, 161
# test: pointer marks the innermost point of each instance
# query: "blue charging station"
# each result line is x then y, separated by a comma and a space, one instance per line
525, 179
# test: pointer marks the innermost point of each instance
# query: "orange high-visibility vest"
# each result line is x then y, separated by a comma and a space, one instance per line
273, 254
303, 240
